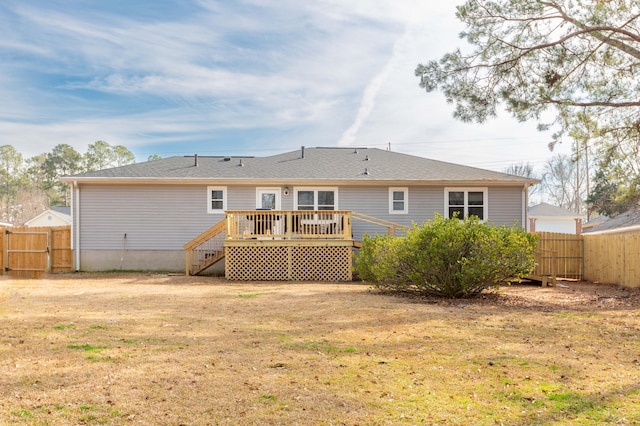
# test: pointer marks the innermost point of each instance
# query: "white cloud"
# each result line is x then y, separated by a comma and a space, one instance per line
293, 73
366, 105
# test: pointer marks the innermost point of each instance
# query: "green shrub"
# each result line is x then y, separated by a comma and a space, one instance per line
378, 260
447, 257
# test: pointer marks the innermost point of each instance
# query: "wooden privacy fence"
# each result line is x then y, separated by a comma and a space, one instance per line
605, 258
560, 254
613, 259
32, 251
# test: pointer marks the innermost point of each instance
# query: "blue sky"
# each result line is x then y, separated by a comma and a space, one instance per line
255, 77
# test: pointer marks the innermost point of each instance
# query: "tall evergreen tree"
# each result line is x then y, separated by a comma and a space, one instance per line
553, 61
63, 160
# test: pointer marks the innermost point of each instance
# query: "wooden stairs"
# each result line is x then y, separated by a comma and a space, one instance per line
206, 249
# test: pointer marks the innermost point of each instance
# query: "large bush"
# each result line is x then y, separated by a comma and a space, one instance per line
447, 257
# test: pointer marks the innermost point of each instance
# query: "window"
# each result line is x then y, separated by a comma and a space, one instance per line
465, 202
216, 199
268, 198
316, 198
398, 200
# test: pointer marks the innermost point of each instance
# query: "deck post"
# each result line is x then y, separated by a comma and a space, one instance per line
231, 230
289, 224
346, 229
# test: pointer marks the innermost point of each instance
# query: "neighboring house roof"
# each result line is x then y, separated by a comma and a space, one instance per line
548, 211
594, 222
51, 212
307, 165
62, 209
627, 221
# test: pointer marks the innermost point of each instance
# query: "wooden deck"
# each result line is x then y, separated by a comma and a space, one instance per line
306, 245
276, 245
310, 245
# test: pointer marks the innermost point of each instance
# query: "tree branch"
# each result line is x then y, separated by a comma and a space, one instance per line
596, 32
595, 103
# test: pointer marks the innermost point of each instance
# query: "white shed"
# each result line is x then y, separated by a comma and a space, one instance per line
544, 217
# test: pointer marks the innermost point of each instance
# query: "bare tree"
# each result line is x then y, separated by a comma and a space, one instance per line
525, 170
561, 183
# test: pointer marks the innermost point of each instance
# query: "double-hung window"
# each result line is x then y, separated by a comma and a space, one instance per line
465, 202
316, 198
398, 200
216, 199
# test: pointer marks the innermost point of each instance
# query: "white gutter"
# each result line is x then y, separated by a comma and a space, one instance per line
293, 180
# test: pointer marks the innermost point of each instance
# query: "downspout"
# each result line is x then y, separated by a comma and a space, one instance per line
75, 219
525, 206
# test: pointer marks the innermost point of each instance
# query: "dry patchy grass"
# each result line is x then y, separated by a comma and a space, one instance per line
153, 349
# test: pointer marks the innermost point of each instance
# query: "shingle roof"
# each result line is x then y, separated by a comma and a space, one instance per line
62, 209
548, 210
630, 218
318, 164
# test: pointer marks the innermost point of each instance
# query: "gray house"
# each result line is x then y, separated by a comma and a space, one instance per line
145, 215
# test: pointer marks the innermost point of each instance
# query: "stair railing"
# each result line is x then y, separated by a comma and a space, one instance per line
205, 249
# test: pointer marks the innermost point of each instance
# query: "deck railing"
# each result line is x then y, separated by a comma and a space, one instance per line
393, 229
288, 224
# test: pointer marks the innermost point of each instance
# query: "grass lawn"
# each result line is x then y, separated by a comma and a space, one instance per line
171, 350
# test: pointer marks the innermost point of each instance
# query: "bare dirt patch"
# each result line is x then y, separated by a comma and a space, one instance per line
157, 349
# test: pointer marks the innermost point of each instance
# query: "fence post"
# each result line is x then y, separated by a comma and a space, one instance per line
5, 253
50, 255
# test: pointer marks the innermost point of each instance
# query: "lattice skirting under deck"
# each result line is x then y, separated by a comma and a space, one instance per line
284, 263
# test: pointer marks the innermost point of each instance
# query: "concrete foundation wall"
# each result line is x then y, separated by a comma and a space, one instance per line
139, 260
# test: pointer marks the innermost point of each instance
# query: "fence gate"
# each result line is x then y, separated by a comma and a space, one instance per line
26, 252
565, 251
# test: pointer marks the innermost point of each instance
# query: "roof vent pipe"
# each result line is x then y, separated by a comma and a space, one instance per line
241, 165
302, 149
366, 158
355, 150
366, 171
195, 160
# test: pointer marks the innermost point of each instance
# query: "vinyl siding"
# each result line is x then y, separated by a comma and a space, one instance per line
152, 216
505, 205
241, 197
423, 203
165, 217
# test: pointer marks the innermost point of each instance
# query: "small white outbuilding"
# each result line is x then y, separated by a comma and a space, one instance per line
55, 216
545, 217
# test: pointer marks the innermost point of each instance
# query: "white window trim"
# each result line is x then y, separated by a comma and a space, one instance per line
209, 199
405, 190
315, 189
277, 191
466, 190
